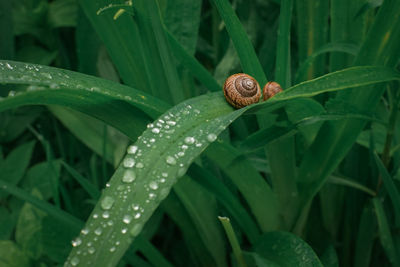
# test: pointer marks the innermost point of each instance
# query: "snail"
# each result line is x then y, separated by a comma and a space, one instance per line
271, 89
241, 90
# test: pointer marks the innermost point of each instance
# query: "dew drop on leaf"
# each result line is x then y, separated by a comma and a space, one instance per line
91, 250
129, 162
105, 215
170, 160
98, 231
136, 229
76, 242
129, 176
84, 231
107, 203
137, 215
127, 218
153, 185
190, 140
211, 137
135, 206
74, 261
156, 130
132, 149
139, 165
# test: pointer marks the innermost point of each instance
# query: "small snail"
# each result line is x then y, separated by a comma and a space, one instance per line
271, 89
241, 90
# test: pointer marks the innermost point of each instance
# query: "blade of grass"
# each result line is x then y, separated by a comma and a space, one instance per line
312, 28
133, 194
248, 57
226, 223
365, 237
385, 234
390, 188
89, 188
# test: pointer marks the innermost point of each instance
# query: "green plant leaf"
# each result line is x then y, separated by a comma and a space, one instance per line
11, 255
14, 166
286, 249
146, 175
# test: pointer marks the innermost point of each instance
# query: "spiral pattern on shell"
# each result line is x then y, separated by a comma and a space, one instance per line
241, 90
271, 89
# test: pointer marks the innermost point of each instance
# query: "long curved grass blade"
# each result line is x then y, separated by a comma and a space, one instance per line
146, 175
330, 47
46, 78
339, 80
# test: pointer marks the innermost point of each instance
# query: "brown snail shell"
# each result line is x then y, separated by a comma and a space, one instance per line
241, 90
271, 89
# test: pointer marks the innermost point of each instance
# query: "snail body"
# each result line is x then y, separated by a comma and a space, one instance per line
271, 89
241, 90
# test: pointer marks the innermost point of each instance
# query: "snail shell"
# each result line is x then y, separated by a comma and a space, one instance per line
241, 90
271, 89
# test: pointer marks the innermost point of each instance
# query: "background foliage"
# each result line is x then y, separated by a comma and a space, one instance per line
308, 178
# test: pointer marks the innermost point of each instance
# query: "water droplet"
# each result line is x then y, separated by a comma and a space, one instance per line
152, 140
9, 66
129, 162
98, 231
91, 250
54, 86
181, 171
110, 223
136, 229
106, 215
171, 123
153, 185
135, 206
170, 160
184, 147
74, 261
107, 202
199, 144
137, 215
124, 230
95, 216
150, 125
11, 93
129, 176
152, 196
156, 130
84, 231
132, 149
211, 137
112, 249
190, 140
139, 165
76, 242
108, 185
181, 153
164, 174
127, 219
162, 180
47, 75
